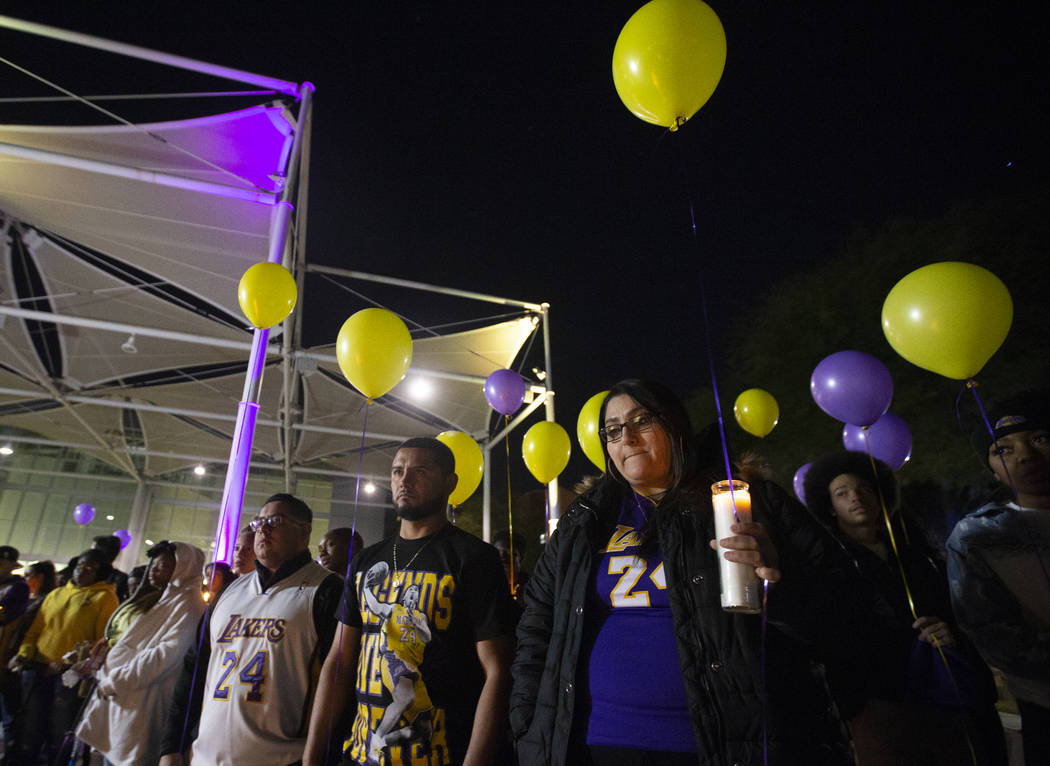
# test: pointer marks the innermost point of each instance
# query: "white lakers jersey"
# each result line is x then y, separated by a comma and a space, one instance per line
261, 674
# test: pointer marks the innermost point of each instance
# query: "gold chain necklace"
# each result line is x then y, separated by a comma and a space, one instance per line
421, 548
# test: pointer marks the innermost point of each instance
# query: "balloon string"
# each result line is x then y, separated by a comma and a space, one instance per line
889, 527
346, 578
762, 676
711, 357
722, 433
907, 589
972, 385
510, 510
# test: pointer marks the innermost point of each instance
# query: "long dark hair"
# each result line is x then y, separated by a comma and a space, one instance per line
674, 420
46, 569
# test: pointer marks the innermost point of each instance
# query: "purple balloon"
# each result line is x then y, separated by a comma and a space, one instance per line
888, 437
505, 391
852, 386
125, 537
798, 482
83, 513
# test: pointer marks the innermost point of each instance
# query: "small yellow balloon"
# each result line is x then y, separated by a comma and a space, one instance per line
587, 430
668, 60
267, 294
546, 449
470, 464
756, 411
374, 349
948, 318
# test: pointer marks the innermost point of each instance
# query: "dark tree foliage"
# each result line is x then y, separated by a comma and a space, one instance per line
837, 305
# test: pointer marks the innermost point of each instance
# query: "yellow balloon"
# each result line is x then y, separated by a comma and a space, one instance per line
948, 318
546, 449
267, 294
668, 60
587, 430
470, 464
374, 349
756, 411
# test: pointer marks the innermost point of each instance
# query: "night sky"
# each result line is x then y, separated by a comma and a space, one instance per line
483, 146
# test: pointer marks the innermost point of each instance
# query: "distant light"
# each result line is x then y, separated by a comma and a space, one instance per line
149, 542
420, 388
540, 374
109, 518
1009, 164
369, 488
6, 450
199, 469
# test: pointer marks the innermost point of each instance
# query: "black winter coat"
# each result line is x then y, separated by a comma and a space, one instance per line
719, 651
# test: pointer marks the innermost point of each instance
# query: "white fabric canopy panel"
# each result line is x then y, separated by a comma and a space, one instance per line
202, 238
151, 227
76, 287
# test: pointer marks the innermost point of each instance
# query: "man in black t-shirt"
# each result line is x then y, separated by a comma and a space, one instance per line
426, 640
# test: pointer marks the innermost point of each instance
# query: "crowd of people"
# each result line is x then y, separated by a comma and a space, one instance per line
434, 647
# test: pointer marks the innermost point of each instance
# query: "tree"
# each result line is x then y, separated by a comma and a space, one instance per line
837, 305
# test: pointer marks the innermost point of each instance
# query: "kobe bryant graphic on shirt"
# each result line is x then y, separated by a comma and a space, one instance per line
418, 676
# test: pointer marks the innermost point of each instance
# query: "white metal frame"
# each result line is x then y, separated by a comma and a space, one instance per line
291, 253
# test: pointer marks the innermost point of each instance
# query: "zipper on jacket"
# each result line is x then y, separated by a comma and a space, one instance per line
703, 665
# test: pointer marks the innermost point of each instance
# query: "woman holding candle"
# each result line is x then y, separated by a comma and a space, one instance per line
889, 680
625, 654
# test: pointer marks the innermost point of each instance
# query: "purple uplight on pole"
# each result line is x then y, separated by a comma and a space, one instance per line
240, 452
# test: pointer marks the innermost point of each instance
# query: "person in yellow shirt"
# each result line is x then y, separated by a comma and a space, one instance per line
75, 614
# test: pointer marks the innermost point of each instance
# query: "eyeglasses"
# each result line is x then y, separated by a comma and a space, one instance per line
636, 425
271, 522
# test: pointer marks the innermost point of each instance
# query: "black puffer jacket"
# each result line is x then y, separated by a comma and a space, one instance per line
719, 651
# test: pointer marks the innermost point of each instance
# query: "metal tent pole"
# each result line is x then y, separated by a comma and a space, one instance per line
136, 527
486, 505
248, 409
552, 488
134, 51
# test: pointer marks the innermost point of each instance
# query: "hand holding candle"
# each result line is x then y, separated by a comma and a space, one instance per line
744, 547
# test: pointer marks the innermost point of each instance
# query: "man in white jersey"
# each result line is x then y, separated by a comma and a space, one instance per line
266, 637
425, 645
999, 563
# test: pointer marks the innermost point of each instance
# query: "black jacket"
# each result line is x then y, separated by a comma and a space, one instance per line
877, 664
719, 652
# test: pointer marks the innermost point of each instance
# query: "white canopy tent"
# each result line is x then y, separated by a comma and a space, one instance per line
121, 252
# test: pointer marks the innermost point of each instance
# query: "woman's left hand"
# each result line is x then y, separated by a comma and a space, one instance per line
750, 544
932, 628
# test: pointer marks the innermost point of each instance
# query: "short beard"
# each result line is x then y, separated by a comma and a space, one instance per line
424, 510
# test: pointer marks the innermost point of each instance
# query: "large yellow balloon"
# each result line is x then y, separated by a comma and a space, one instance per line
546, 449
948, 317
374, 349
587, 426
267, 294
470, 464
668, 60
756, 411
